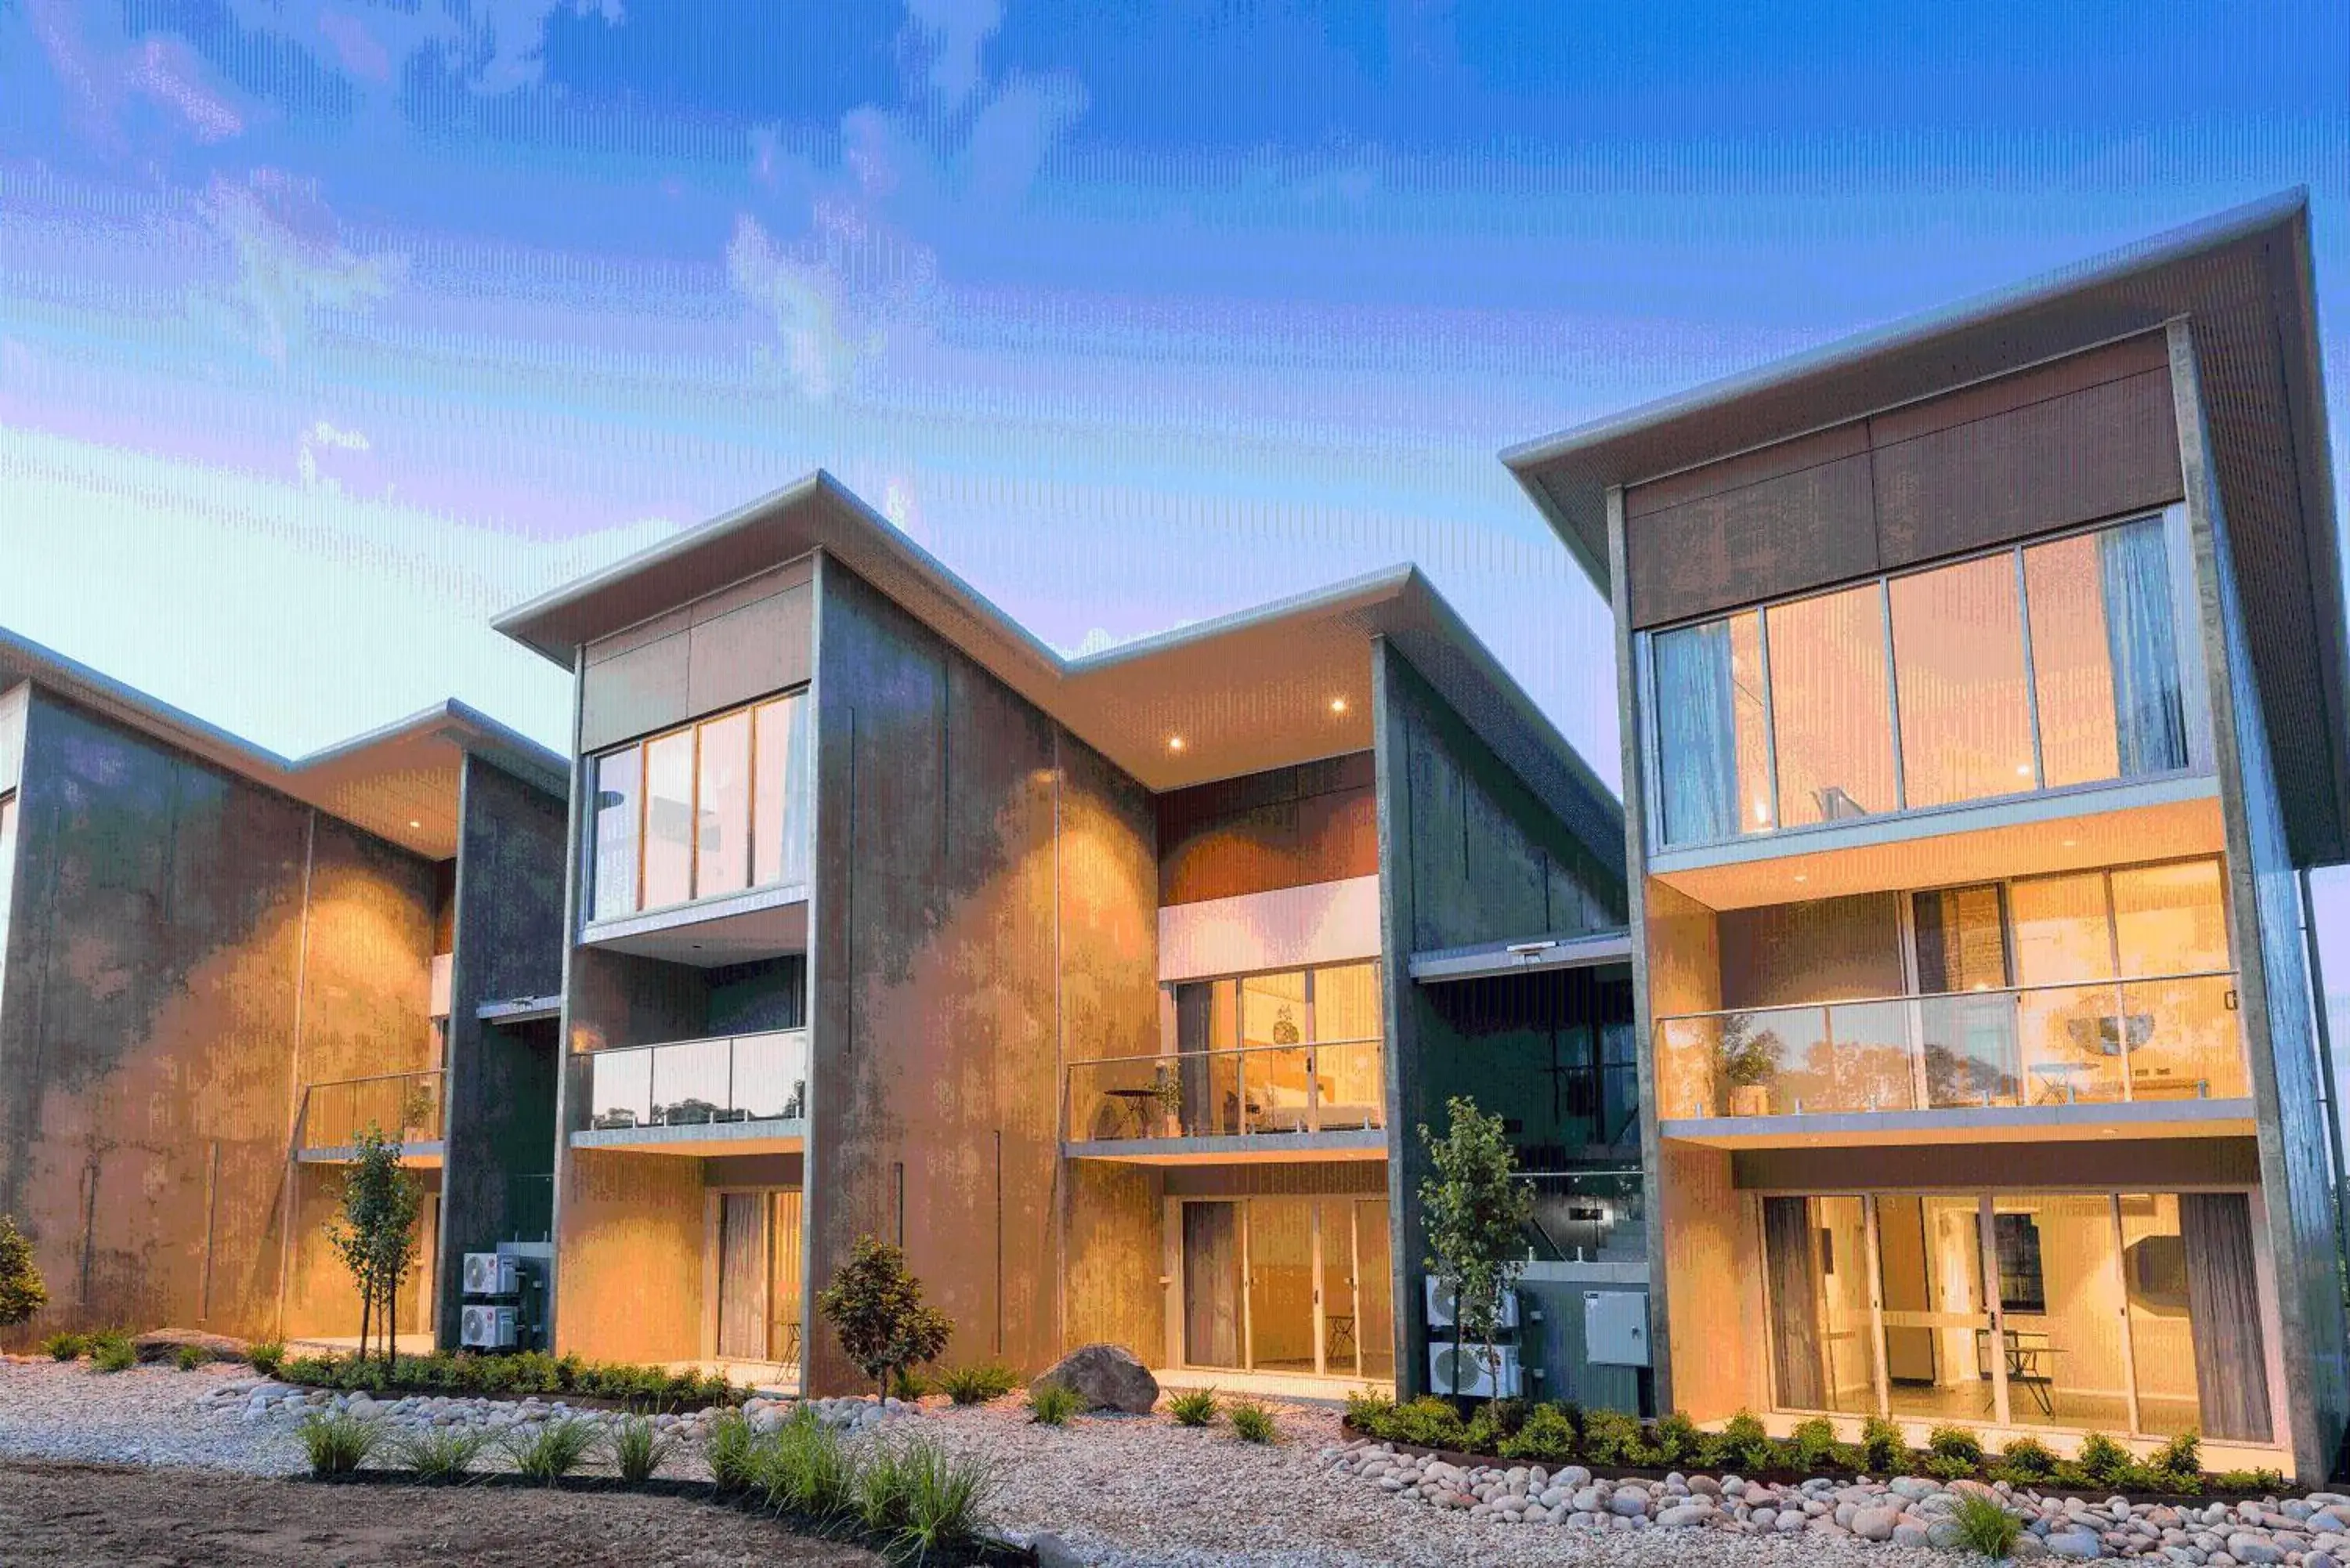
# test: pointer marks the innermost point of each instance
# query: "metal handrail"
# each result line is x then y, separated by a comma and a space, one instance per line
588, 1060
1944, 995
371, 1078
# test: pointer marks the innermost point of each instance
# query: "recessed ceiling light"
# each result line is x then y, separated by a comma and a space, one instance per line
2023, 770
1803, 877
413, 822
2070, 842
1337, 704
1174, 742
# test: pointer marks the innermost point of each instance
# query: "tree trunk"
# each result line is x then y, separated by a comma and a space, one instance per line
366, 1310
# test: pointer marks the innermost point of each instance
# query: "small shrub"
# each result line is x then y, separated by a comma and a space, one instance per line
187, 1358
441, 1453
732, 1450
806, 1469
1547, 1434
2102, 1460
883, 1488
22, 1292
1814, 1446
1956, 1443
1370, 1413
1985, 1527
310, 1371
2261, 1482
1676, 1438
2026, 1461
1610, 1437
113, 1352
1882, 1451
876, 1309
336, 1444
1052, 1403
553, 1453
943, 1499
1194, 1407
1428, 1422
638, 1447
907, 1385
265, 1355
64, 1347
2180, 1459
1743, 1445
1253, 1423
1945, 1467
978, 1384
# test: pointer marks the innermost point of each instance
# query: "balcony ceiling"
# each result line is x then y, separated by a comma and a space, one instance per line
2243, 281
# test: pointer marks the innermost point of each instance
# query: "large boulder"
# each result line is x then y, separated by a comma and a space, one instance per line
1106, 1377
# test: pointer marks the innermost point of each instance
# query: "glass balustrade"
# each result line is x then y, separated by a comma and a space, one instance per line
2164, 1037
1333, 1085
404, 1104
1588, 1216
690, 1082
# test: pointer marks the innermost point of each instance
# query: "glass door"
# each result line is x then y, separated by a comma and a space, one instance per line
1374, 1291
1940, 1320
1283, 1305
1211, 1285
742, 1276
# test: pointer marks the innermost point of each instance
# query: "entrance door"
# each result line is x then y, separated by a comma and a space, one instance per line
1374, 1294
1211, 1285
742, 1276
1282, 1297
783, 1288
1941, 1322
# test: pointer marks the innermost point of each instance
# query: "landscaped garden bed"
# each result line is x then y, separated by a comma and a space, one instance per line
613, 1383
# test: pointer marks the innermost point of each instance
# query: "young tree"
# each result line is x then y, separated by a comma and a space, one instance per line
1476, 1211
22, 1292
876, 1307
374, 1233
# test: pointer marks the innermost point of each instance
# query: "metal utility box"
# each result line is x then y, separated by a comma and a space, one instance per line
1616, 1328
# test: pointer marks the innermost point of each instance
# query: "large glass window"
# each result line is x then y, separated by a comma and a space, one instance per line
1829, 707
2041, 666
1966, 711
714, 808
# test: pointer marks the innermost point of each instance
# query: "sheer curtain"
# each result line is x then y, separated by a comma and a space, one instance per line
1697, 733
2150, 718
2231, 1377
1797, 1372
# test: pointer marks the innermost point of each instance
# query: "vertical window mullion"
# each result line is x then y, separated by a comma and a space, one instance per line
1770, 718
2030, 671
643, 814
1892, 692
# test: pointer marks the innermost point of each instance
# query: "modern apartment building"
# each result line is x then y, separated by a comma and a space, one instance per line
1115, 989
216, 964
1982, 691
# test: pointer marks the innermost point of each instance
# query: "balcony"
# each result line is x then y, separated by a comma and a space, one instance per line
334, 1113
738, 1094
1587, 1216
1322, 1101
2161, 1055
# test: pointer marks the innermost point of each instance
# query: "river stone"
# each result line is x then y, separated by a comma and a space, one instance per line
1106, 1377
2248, 1548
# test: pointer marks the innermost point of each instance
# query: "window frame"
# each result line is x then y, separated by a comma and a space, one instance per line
2190, 675
641, 744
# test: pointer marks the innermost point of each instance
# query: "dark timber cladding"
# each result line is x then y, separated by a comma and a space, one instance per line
2087, 437
984, 901
188, 949
1471, 857
1285, 827
499, 1100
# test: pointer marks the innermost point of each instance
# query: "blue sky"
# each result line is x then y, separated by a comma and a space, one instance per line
327, 330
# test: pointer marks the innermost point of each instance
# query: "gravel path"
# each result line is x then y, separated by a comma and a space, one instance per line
147, 1416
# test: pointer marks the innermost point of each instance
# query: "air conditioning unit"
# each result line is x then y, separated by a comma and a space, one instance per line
490, 1275
1462, 1371
1439, 1305
481, 1327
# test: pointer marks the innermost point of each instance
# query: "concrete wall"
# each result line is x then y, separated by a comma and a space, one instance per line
186, 950
1467, 856
1285, 827
2264, 911
629, 1283
507, 935
983, 905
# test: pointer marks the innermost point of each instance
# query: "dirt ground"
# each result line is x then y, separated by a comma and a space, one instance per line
95, 1516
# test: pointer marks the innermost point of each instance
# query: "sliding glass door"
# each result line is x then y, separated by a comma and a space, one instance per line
1295, 1285
2105, 1312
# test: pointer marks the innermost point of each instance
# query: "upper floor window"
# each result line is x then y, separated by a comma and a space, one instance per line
2039, 667
719, 806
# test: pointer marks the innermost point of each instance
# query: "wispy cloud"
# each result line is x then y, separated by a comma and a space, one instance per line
292, 264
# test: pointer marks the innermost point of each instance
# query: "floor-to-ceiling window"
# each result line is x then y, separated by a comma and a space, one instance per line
2036, 667
1293, 1285
2108, 1312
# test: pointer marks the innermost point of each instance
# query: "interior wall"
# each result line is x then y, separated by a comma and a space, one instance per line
1469, 856
508, 937
1824, 950
983, 907
185, 951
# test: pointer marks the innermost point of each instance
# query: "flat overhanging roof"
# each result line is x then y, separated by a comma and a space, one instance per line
1284, 682
400, 782
2242, 281
1585, 950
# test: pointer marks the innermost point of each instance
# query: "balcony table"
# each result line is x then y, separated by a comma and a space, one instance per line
1138, 1103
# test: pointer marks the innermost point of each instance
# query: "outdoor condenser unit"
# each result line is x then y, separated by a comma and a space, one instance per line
483, 1327
1462, 1371
490, 1275
1439, 1305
